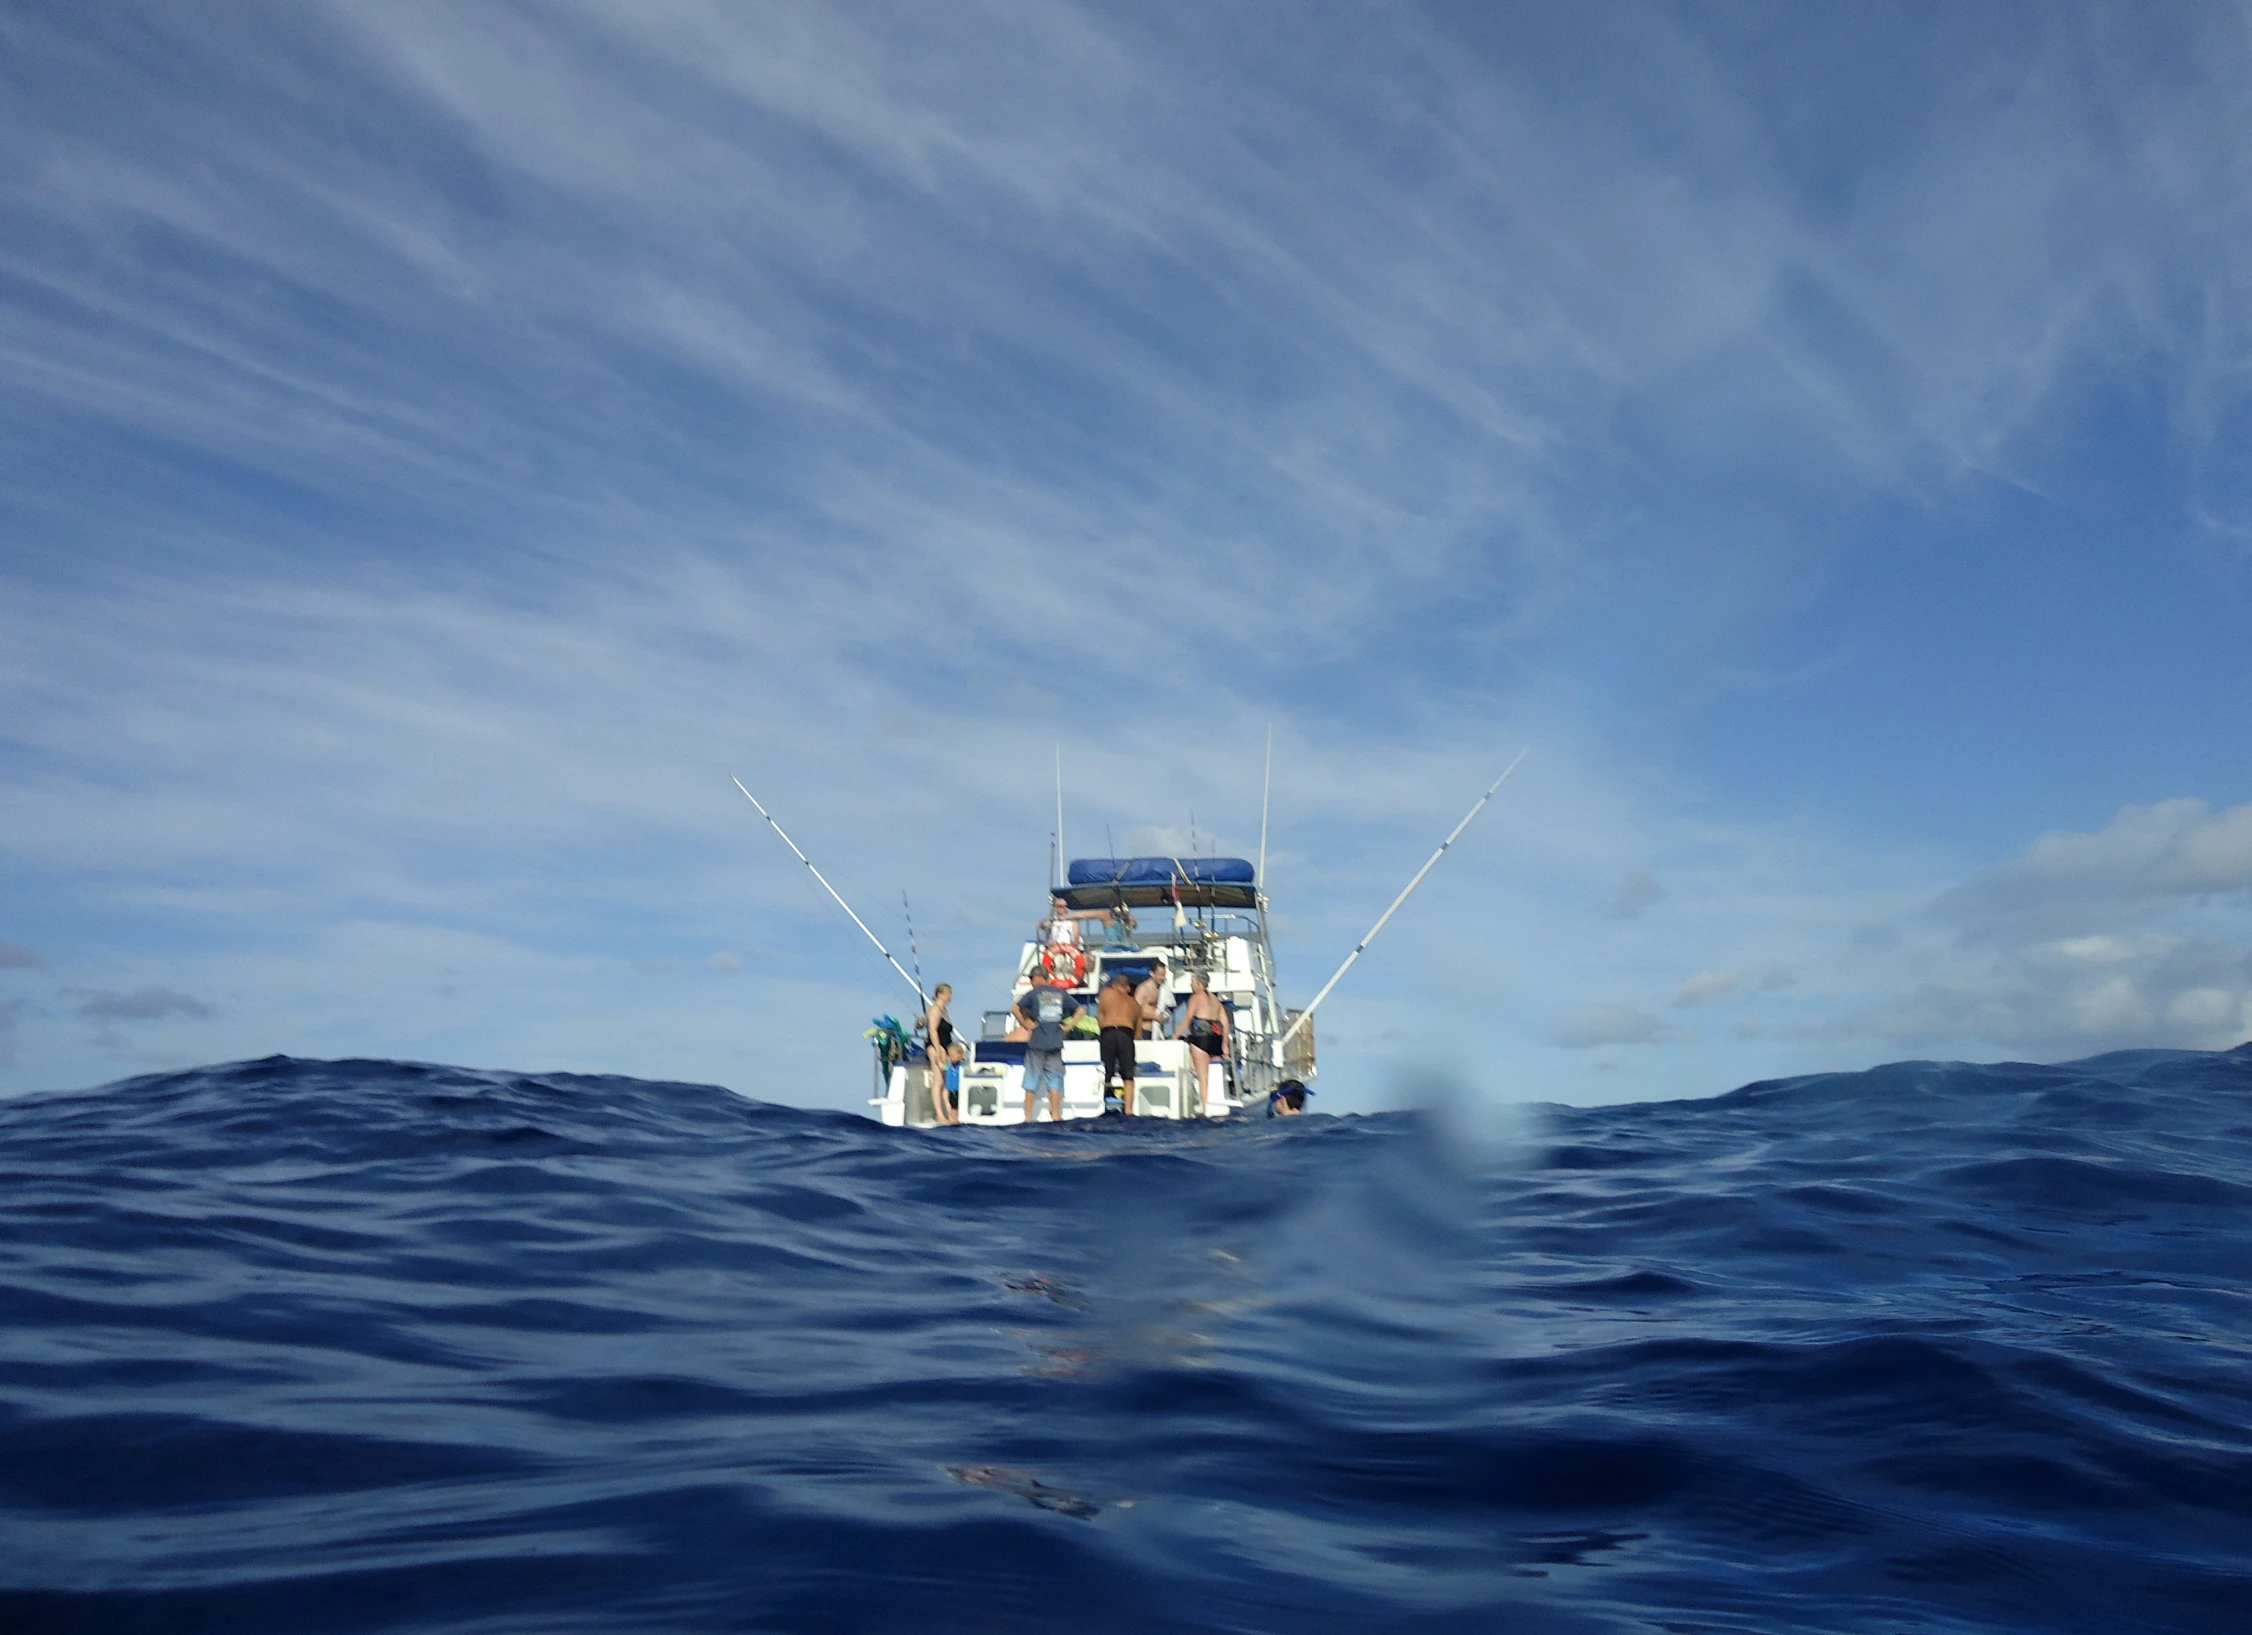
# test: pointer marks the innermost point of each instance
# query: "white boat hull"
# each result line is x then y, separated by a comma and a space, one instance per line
993, 1091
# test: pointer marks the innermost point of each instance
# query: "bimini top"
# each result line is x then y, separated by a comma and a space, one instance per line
1159, 871
1152, 882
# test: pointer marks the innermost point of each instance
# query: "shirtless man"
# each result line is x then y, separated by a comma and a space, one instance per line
1151, 997
1118, 1015
1203, 1021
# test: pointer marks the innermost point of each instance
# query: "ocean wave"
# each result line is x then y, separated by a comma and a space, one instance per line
295, 1345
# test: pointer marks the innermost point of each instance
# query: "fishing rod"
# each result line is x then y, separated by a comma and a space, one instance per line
1266, 797
1259, 875
1307, 1014
912, 953
832, 891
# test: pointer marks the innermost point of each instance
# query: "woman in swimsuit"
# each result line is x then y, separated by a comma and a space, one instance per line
939, 1031
1204, 1023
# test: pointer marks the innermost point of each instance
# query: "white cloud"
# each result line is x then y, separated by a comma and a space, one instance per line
1149, 840
1708, 988
1591, 1026
2147, 861
2134, 934
2038, 1001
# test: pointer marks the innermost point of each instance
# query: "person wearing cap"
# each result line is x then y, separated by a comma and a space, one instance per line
1044, 1011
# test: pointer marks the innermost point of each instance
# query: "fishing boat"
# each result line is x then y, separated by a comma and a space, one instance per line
1201, 916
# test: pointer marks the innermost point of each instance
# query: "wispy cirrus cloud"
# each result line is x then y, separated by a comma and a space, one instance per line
424, 491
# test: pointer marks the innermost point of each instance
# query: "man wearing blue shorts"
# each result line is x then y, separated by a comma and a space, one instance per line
1044, 1010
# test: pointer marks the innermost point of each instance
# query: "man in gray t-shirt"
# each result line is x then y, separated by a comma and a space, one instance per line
1044, 1011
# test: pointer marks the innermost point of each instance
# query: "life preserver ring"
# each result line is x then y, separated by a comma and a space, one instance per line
1064, 964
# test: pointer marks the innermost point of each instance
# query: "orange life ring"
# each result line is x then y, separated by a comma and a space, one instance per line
1066, 965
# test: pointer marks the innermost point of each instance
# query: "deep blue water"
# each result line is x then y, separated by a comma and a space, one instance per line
364, 1346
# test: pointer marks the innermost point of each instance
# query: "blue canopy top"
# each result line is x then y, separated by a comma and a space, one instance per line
1159, 871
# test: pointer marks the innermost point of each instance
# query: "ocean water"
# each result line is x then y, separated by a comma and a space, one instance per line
352, 1346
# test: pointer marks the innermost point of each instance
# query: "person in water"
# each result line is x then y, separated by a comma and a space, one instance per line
938, 1032
1150, 996
1203, 1021
1288, 1099
1118, 1014
1044, 1011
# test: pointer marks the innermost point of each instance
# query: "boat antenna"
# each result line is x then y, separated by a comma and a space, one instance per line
1306, 1015
832, 891
1061, 854
1110, 840
1266, 795
911, 952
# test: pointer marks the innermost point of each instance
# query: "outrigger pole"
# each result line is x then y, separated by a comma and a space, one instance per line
832, 891
1306, 1015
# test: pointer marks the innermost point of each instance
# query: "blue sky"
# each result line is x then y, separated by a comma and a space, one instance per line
440, 445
